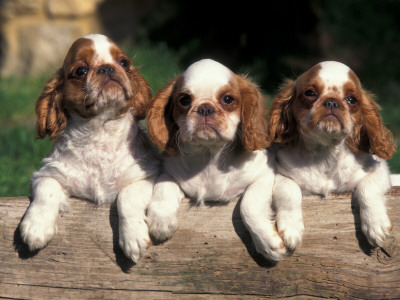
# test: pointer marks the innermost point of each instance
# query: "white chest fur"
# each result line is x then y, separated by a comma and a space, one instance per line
96, 160
336, 169
218, 177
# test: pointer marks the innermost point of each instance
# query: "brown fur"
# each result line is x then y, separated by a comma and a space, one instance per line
142, 94
51, 117
370, 134
160, 123
282, 127
253, 127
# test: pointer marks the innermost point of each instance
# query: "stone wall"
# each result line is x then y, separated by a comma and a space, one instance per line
36, 34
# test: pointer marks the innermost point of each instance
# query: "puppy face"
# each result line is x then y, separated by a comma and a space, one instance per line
326, 105
207, 105
326, 102
96, 78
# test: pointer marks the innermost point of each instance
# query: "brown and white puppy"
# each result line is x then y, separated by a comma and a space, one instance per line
329, 137
90, 110
209, 121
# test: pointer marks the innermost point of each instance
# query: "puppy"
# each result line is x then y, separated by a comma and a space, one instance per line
209, 121
329, 137
90, 110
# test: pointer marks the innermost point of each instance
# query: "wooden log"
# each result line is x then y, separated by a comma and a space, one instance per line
210, 256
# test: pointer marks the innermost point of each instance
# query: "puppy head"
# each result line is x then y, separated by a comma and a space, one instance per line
326, 105
97, 78
207, 105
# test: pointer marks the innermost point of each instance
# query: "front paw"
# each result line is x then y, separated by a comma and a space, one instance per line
134, 239
162, 224
270, 246
375, 227
291, 229
37, 230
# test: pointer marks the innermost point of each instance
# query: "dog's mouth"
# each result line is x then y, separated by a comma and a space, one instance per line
332, 117
113, 82
110, 88
206, 129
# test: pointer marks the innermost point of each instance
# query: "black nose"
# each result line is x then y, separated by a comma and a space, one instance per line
105, 70
331, 104
205, 110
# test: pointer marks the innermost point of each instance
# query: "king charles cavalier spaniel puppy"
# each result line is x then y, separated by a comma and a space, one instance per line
90, 110
209, 121
329, 137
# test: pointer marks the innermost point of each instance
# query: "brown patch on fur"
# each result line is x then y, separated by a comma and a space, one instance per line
160, 121
253, 128
282, 127
141, 94
50, 116
370, 134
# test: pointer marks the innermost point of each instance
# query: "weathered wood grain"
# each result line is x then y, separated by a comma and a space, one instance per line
210, 256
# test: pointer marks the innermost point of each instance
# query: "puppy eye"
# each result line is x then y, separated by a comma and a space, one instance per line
228, 99
351, 100
185, 100
310, 93
124, 63
81, 71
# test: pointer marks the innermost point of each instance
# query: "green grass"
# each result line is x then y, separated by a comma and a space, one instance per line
21, 155
157, 64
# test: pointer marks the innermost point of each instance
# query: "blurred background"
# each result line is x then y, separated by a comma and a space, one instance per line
269, 40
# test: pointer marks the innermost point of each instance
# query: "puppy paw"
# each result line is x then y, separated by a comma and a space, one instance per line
376, 227
291, 229
271, 247
162, 223
134, 239
37, 230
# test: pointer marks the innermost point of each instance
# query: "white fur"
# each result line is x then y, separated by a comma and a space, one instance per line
321, 163
102, 46
215, 169
337, 169
333, 73
204, 77
215, 175
95, 161
395, 179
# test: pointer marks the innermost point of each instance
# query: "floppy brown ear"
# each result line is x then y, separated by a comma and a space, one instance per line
282, 126
253, 125
160, 122
142, 95
51, 118
370, 134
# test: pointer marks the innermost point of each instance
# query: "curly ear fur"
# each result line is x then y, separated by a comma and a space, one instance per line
282, 126
142, 96
160, 122
369, 133
51, 118
253, 128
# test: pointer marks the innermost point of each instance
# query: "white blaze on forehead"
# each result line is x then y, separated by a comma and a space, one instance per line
204, 77
102, 46
334, 73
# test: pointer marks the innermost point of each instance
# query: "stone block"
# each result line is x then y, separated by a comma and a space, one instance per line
11, 8
71, 8
45, 46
